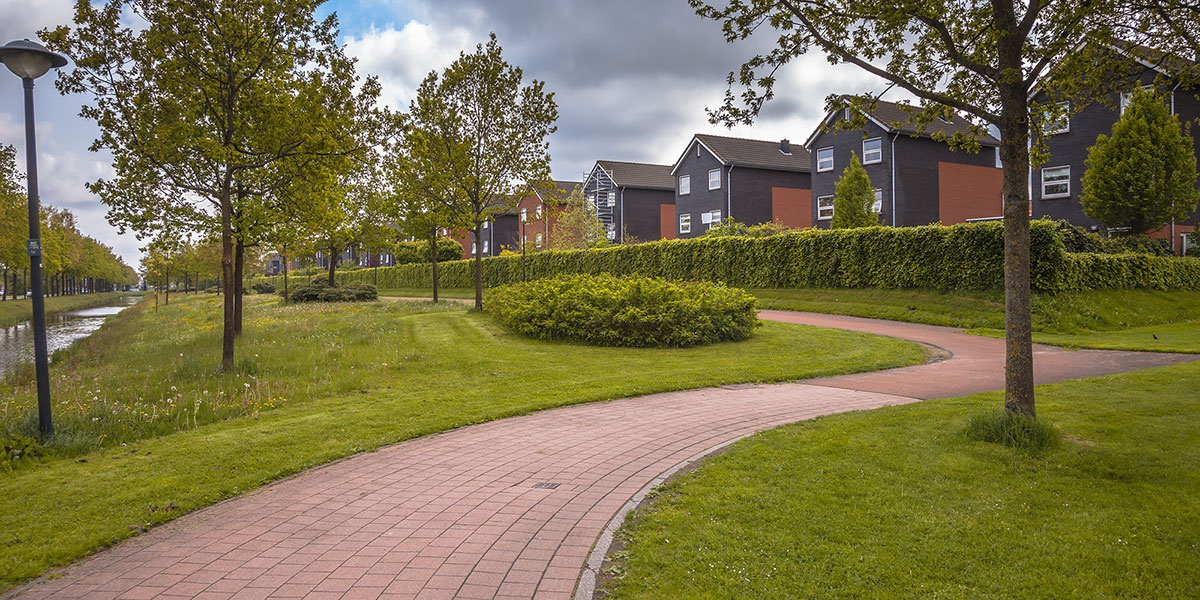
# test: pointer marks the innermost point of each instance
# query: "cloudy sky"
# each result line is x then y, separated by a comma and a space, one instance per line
632, 79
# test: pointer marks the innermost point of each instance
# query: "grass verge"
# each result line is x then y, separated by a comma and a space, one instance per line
16, 311
355, 377
899, 503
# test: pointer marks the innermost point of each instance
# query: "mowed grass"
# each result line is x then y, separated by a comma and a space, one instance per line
897, 503
351, 378
16, 311
459, 293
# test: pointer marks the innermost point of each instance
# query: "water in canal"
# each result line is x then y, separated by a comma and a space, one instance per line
62, 330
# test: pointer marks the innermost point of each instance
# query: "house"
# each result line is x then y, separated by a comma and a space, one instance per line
1058, 183
500, 233
751, 181
918, 180
632, 200
537, 213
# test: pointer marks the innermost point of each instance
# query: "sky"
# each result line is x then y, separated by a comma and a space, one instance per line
632, 79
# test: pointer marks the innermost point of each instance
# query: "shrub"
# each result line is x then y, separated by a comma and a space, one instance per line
320, 291
263, 287
418, 252
731, 227
1013, 430
638, 312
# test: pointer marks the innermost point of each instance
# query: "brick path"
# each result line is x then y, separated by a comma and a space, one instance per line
507, 509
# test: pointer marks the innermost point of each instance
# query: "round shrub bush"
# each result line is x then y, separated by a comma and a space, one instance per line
640, 312
320, 291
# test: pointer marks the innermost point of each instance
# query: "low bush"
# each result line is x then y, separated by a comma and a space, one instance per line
639, 312
1013, 430
320, 291
263, 287
1079, 240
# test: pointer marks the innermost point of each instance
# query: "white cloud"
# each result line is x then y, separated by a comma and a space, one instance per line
403, 57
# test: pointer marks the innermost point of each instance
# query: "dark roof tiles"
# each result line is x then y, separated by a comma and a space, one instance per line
759, 154
639, 175
901, 117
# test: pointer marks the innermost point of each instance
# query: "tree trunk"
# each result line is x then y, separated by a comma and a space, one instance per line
1014, 152
167, 287
285, 282
333, 257
478, 266
4, 284
228, 331
433, 244
239, 263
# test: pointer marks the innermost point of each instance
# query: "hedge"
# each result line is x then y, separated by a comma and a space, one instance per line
958, 257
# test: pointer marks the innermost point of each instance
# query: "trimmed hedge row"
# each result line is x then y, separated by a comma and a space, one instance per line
638, 312
959, 257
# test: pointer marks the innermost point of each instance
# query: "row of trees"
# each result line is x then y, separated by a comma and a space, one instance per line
72, 263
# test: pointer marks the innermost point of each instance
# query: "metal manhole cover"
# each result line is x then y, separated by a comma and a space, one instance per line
546, 485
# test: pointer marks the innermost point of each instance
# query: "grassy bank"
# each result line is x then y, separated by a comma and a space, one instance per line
315, 383
897, 503
16, 311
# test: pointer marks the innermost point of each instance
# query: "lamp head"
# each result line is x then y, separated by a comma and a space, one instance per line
29, 60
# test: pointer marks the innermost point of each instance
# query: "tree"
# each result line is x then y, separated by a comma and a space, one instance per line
1143, 176
208, 105
14, 221
854, 199
577, 226
478, 137
979, 58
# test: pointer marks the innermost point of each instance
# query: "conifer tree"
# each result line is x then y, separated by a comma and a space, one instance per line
1143, 176
855, 196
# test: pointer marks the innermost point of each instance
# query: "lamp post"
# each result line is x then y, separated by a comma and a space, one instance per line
30, 60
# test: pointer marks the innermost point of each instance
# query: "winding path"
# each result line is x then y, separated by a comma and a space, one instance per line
516, 508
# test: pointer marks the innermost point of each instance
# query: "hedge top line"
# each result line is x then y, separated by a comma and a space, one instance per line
967, 256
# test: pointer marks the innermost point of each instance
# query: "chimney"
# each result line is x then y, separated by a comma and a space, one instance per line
785, 147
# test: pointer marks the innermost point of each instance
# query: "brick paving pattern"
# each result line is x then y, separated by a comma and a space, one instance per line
461, 514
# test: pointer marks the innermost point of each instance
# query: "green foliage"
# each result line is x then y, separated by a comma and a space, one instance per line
959, 257
731, 227
577, 226
263, 287
418, 252
1011, 429
855, 197
1078, 239
15, 447
1143, 176
637, 312
320, 291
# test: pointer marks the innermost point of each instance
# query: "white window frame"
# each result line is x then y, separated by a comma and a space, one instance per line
485, 224
538, 210
473, 248
1066, 181
714, 217
1126, 97
537, 240
877, 205
712, 172
612, 198
524, 214
1048, 127
820, 161
685, 223
878, 153
485, 246
685, 185
828, 207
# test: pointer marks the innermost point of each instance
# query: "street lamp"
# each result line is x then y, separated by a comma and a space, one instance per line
30, 60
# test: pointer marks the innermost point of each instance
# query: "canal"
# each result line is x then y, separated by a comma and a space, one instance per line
62, 330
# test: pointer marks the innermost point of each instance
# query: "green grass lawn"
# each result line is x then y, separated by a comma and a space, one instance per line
897, 503
16, 311
462, 293
315, 383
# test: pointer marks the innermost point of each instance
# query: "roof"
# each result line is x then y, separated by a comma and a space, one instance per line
901, 118
561, 190
758, 154
1153, 58
639, 175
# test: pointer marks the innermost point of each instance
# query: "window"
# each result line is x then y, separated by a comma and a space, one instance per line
685, 223
877, 205
485, 246
612, 198
685, 185
1059, 120
1056, 182
524, 215
824, 207
1127, 97
714, 217
824, 159
872, 151
537, 240
485, 224
714, 179
472, 248
539, 211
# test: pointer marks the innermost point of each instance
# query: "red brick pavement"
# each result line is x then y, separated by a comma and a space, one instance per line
458, 514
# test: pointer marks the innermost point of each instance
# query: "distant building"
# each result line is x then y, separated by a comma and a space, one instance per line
751, 181
1058, 184
633, 201
537, 213
918, 180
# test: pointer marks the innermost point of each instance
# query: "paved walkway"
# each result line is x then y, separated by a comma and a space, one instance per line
517, 508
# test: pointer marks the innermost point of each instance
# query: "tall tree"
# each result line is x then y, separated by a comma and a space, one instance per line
484, 134
979, 58
203, 102
1143, 176
577, 226
852, 204
14, 223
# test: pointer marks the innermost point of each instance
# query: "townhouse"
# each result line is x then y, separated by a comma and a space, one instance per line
634, 201
537, 213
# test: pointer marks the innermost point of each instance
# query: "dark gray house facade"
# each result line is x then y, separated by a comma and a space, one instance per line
751, 181
918, 180
630, 199
1058, 183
